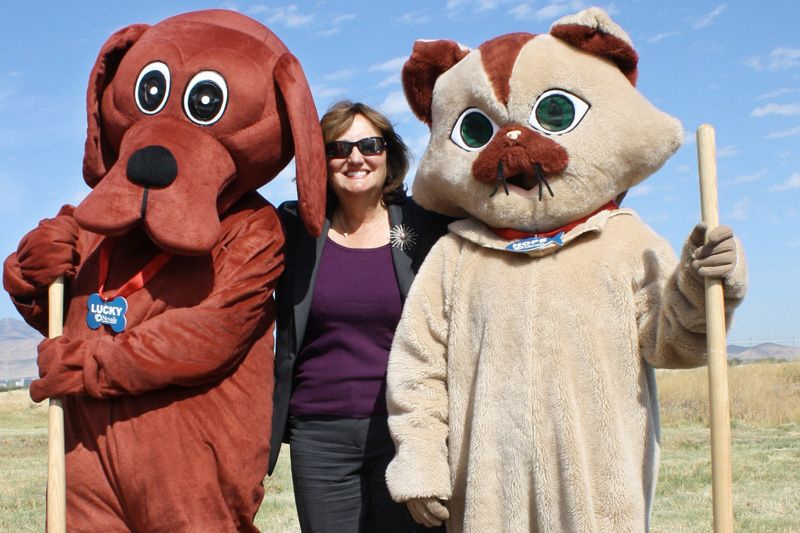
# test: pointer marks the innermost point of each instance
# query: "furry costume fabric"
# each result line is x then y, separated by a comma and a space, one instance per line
521, 390
168, 421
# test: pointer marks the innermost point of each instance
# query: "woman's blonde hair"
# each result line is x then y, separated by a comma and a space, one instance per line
339, 118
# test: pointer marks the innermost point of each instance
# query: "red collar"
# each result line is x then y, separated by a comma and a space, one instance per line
511, 234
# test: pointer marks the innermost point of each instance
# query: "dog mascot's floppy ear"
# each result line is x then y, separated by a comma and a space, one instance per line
98, 157
267, 120
309, 149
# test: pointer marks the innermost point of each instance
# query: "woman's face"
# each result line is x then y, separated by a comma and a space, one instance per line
357, 174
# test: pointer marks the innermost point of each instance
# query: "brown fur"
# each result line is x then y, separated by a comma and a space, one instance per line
428, 61
498, 56
600, 44
519, 155
168, 422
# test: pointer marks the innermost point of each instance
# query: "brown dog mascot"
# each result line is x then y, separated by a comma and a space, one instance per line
166, 360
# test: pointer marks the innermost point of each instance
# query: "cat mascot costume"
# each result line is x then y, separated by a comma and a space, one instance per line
520, 384
166, 360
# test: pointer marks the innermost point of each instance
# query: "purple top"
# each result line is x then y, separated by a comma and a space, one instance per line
355, 308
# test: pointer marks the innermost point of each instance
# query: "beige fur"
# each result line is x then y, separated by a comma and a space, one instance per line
521, 389
520, 385
621, 140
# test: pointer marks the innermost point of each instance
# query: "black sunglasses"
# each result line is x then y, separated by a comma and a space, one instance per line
367, 146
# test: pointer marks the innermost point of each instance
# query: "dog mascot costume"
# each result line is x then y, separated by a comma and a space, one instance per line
520, 382
166, 362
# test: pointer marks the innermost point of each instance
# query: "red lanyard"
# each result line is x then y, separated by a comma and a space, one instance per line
138, 280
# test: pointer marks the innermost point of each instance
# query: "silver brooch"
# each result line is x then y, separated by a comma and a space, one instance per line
402, 236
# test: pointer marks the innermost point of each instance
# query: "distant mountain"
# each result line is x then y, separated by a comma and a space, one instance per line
765, 350
733, 349
18, 343
13, 329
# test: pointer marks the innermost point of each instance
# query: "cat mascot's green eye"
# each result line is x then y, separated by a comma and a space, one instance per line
473, 130
557, 112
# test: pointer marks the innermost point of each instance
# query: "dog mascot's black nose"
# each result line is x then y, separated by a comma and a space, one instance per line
152, 166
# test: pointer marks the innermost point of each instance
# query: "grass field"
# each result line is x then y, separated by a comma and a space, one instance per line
765, 406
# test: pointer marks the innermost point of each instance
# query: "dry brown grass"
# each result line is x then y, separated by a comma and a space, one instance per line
765, 401
761, 395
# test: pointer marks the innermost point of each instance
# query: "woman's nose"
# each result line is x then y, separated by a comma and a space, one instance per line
355, 156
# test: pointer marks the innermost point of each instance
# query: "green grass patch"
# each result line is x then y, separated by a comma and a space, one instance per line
766, 484
766, 487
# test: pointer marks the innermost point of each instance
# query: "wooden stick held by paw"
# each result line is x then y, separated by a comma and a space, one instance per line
721, 470
56, 472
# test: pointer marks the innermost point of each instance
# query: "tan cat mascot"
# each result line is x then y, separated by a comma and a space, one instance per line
521, 387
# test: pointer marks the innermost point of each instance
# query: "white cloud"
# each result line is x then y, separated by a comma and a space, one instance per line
392, 65
643, 189
336, 22
415, 17
521, 12
289, 16
340, 75
453, 4
779, 59
778, 92
487, 5
746, 178
708, 18
257, 8
392, 79
662, 36
324, 91
727, 151
395, 104
792, 132
776, 109
343, 18
740, 211
526, 11
792, 182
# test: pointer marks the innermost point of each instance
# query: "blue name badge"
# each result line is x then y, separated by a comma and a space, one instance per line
109, 313
531, 244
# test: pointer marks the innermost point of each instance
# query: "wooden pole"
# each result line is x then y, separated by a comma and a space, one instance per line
56, 471
721, 471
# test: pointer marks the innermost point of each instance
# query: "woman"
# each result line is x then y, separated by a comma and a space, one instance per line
339, 301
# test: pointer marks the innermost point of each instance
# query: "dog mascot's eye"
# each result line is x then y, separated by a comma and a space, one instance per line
205, 98
152, 88
557, 112
473, 130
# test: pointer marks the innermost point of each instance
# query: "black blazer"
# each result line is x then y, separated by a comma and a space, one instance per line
296, 287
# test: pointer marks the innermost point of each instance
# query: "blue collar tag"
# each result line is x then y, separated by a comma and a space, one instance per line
530, 244
111, 313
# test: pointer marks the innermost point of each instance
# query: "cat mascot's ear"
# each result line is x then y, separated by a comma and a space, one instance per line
593, 31
429, 59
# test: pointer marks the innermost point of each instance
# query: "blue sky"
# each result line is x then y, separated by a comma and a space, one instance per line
735, 65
